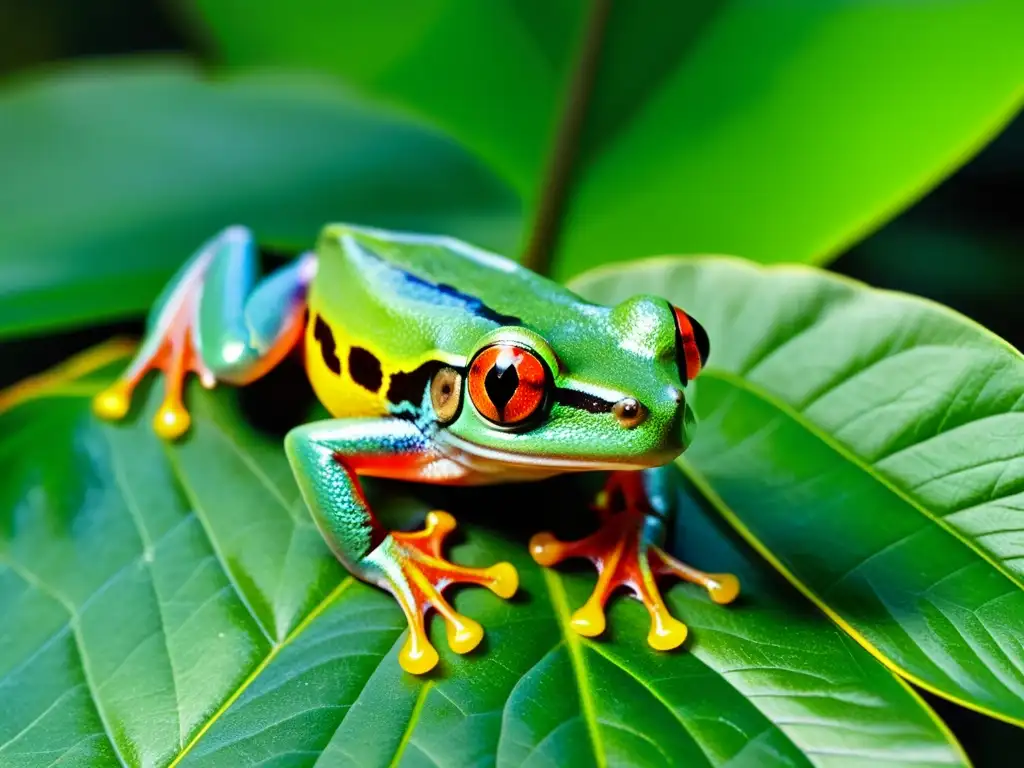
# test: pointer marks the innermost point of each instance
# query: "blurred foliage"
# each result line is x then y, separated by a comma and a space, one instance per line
680, 144
185, 155
961, 245
688, 122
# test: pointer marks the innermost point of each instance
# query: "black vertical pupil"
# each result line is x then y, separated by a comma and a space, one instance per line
501, 384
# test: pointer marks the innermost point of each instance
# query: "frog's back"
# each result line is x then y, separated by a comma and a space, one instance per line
498, 284
409, 302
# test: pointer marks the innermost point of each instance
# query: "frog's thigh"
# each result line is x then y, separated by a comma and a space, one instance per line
245, 327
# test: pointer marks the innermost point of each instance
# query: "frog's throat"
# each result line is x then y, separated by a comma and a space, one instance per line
553, 464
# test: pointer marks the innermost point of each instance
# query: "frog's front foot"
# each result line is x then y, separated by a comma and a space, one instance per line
412, 568
170, 348
625, 552
213, 322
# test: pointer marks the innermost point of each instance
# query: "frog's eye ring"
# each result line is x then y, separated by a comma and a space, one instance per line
508, 384
446, 394
692, 346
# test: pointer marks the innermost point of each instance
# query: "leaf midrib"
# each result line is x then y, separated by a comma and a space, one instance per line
848, 454
707, 491
560, 604
275, 649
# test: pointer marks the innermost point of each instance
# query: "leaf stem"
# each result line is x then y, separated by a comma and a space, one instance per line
72, 369
558, 176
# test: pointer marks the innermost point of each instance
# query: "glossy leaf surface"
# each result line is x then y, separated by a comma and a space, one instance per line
873, 445
176, 605
115, 173
773, 130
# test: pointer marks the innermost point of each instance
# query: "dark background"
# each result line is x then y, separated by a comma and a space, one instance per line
962, 244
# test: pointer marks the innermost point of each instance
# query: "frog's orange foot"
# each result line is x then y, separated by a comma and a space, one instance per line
624, 558
170, 346
416, 573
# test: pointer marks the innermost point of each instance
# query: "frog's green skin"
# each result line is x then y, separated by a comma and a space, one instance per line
409, 341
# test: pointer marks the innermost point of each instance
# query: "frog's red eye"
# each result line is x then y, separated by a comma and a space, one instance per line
507, 383
692, 345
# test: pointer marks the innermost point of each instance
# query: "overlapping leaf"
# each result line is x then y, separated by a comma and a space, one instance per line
872, 444
115, 172
176, 606
773, 130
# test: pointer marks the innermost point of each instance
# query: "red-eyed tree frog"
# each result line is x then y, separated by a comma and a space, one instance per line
443, 363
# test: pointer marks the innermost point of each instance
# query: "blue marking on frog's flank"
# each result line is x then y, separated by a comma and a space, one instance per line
439, 294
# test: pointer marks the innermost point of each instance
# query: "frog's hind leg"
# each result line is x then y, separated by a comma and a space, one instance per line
627, 552
214, 320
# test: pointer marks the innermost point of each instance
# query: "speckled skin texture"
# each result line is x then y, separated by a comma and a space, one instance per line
363, 293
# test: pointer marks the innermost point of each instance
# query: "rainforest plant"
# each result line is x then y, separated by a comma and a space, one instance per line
859, 460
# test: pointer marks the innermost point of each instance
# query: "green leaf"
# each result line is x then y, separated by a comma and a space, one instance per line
776, 130
870, 445
175, 605
115, 172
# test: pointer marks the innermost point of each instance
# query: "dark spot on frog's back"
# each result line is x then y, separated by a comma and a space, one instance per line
328, 349
410, 386
364, 367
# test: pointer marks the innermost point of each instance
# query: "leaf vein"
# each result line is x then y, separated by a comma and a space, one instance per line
572, 643
274, 650
861, 464
201, 516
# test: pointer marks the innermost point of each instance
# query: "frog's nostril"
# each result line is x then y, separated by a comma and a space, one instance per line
689, 425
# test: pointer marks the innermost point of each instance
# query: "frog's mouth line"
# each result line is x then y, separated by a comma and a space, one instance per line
542, 463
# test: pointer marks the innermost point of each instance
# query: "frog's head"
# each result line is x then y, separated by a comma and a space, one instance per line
603, 388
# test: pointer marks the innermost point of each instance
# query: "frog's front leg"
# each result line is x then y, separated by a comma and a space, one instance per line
214, 320
634, 510
327, 458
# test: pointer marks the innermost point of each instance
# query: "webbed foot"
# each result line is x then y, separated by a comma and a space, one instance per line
413, 569
625, 554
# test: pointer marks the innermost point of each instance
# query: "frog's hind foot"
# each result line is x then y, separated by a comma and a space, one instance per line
412, 568
625, 555
205, 323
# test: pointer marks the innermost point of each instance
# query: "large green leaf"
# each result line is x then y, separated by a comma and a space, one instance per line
769, 129
114, 173
176, 605
871, 444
